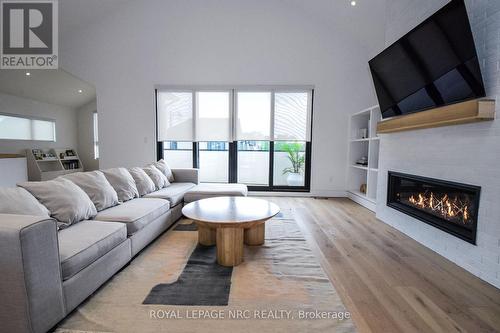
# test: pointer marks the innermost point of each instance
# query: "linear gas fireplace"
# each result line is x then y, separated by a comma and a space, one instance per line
449, 206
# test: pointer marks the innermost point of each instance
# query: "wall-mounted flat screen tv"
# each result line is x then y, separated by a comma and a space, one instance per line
433, 65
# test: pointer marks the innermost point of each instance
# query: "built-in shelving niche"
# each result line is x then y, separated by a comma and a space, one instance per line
361, 145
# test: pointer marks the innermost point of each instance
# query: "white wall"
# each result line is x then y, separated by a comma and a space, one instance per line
85, 116
13, 171
66, 130
466, 153
228, 42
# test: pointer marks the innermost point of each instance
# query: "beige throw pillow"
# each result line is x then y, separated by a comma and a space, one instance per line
17, 200
156, 176
66, 202
97, 187
165, 169
144, 184
123, 183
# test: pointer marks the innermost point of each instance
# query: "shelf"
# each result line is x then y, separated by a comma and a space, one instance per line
455, 114
359, 167
369, 148
50, 168
366, 111
11, 156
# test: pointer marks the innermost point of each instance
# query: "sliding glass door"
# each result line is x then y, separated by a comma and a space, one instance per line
212, 132
253, 163
260, 137
291, 133
253, 134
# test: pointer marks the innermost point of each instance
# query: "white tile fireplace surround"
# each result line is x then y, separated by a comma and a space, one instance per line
466, 154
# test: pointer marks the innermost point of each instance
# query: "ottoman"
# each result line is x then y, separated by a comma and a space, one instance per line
207, 190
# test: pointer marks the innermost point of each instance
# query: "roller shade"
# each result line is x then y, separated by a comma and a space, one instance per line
213, 114
175, 116
292, 116
234, 115
15, 127
253, 116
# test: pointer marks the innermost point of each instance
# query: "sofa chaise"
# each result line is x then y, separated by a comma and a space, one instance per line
47, 271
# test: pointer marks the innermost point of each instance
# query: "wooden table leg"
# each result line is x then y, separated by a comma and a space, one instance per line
206, 236
229, 246
255, 235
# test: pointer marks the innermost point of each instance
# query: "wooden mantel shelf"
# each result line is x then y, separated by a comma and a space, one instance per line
460, 113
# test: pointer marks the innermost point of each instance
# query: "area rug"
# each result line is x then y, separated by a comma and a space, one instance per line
279, 287
202, 282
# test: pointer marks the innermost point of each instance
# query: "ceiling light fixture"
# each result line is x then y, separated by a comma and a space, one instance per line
353, 3
28, 73
80, 91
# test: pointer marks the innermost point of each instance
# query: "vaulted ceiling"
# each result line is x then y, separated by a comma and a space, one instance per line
363, 22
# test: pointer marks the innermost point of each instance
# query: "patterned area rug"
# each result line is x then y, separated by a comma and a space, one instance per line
202, 282
280, 287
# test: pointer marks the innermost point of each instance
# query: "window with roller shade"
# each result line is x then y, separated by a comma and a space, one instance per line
14, 127
259, 136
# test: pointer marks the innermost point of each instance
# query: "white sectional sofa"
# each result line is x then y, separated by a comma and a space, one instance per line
47, 271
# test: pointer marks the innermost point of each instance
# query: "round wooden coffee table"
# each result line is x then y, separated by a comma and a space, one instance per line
229, 222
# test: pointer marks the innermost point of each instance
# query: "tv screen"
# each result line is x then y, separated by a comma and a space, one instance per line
435, 64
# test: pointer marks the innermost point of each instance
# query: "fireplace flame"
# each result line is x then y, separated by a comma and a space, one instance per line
442, 205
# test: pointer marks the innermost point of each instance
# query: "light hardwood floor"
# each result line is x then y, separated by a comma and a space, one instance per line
388, 281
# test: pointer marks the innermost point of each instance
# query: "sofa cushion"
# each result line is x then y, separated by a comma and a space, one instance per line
174, 193
144, 184
123, 183
18, 201
156, 176
165, 169
97, 187
203, 191
136, 213
66, 202
82, 244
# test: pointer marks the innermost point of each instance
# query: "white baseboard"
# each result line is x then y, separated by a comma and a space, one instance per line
318, 193
363, 201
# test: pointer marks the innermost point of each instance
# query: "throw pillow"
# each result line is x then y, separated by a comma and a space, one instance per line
144, 184
156, 176
97, 187
19, 201
123, 183
165, 169
66, 202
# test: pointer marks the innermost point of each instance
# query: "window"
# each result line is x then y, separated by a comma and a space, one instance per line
289, 163
178, 154
214, 161
13, 127
175, 116
253, 116
212, 131
253, 162
291, 116
257, 136
291, 133
212, 116
96, 135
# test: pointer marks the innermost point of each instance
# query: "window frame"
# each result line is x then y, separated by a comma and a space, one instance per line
31, 119
233, 145
95, 134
